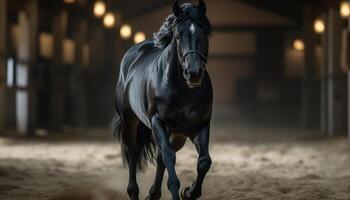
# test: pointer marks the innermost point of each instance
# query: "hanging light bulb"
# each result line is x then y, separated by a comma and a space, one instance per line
69, 1
319, 26
344, 9
125, 31
298, 45
109, 20
99, 8
139, 37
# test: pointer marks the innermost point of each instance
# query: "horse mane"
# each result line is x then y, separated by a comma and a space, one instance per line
163, 37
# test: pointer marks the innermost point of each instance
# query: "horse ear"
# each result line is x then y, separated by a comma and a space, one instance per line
202, 6
176, 8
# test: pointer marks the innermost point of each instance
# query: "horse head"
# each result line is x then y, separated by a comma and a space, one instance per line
191, 33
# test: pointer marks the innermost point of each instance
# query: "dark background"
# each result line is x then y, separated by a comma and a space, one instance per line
71, 62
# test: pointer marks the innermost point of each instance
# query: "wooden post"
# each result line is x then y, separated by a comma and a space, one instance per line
346, 65
323, 80
329, 71
57, 95
27, 56
309, 38
333, 35
3, 53
78, 87
97, 57
347, 57
33, 12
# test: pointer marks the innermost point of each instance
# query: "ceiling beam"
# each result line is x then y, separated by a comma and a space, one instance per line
252, 28
148, 9
289, 9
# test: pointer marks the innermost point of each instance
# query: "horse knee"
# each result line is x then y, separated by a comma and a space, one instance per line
204, 164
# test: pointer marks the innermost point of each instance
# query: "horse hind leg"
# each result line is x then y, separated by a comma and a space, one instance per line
131, 152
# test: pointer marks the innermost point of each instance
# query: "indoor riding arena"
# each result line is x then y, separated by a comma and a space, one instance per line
279, 116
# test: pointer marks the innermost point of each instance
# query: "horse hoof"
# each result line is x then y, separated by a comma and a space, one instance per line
183, 193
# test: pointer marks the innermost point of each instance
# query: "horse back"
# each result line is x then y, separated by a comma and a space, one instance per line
133, 57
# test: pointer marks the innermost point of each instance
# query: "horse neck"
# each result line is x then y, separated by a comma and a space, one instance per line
171, 67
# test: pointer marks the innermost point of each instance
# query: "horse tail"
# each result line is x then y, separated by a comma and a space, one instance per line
147, 146
116, 125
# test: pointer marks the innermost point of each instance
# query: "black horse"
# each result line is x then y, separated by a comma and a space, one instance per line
164, 96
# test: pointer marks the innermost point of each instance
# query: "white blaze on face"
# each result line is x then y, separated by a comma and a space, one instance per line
192, 28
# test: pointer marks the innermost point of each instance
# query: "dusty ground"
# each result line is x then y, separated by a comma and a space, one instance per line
249, 163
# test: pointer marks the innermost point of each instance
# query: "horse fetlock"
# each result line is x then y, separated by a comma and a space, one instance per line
188, 194
174, 185
133, 191
194, 195
154, 194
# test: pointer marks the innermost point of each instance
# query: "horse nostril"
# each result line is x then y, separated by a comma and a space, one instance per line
187, 75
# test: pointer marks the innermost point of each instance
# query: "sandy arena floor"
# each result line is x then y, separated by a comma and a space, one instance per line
249, 163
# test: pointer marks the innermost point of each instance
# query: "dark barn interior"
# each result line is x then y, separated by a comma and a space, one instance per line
281, 81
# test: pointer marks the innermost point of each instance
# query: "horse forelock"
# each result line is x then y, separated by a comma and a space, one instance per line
163, 37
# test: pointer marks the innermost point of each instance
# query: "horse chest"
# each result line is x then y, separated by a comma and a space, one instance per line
184, 114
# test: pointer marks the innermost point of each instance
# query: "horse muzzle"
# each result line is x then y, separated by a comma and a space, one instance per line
193, 77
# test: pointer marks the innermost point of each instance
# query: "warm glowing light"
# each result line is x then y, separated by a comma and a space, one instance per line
319, 26
345, 9
139, 37
99, 8
109, 20
298, 45
69, 1
125, 31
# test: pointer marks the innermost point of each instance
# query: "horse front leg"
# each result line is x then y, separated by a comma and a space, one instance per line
162, 134
201, 141
176, 142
